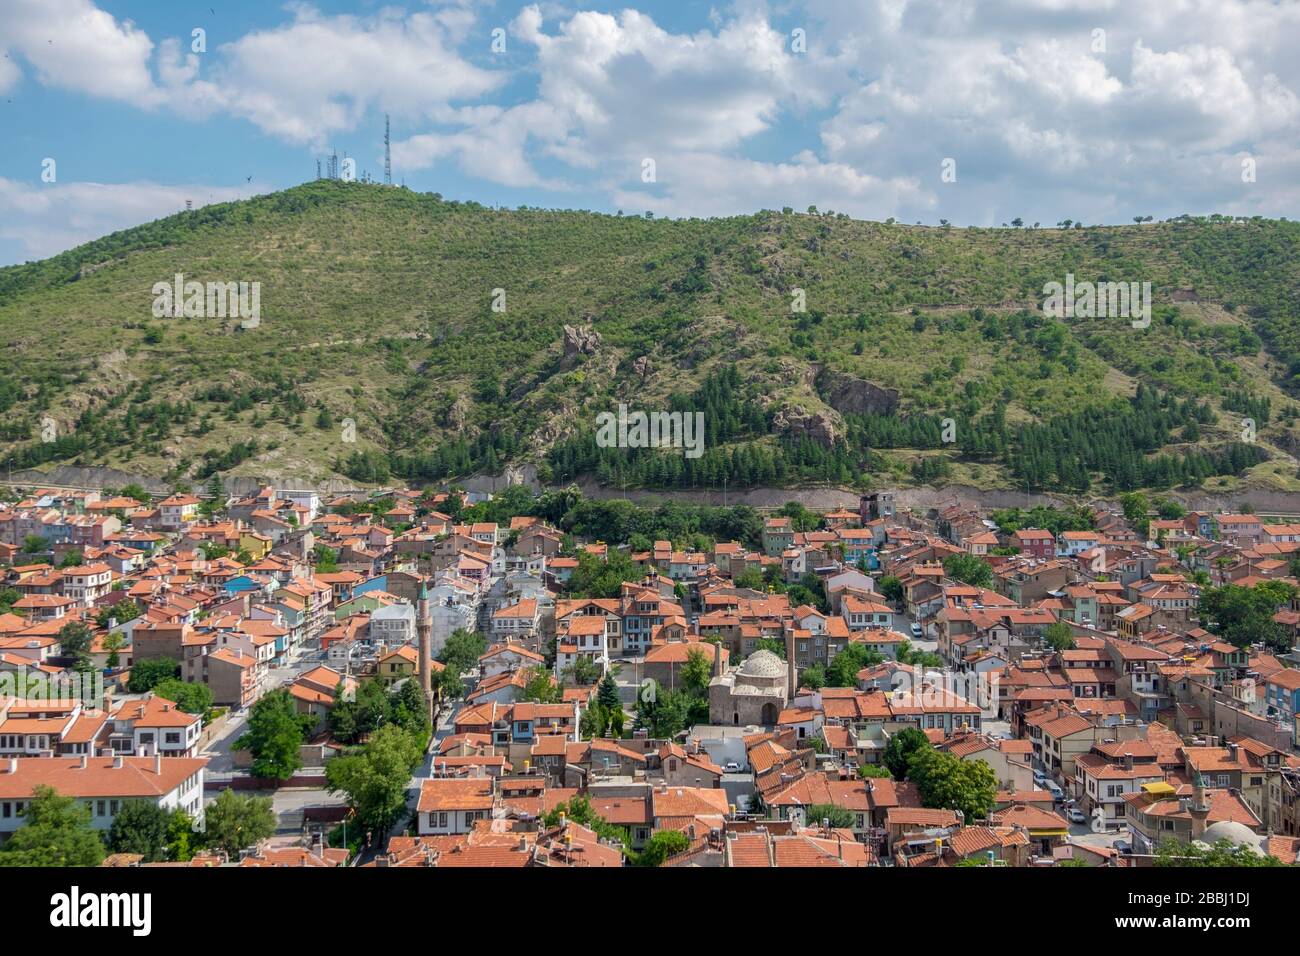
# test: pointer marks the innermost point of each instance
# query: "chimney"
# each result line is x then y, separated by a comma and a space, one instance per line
13, 765
83, 762
157, 762
717, 659
117, 762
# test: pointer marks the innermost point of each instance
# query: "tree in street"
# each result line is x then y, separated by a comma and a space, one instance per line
57, 833
234, 822
375, 778
276, 732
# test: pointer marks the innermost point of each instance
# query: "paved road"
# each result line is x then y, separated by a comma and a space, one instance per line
219, 750
1081, 833
998, 728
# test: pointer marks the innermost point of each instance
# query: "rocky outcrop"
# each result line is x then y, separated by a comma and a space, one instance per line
578, 341
641, 366
457, 414
854, 396
819, 426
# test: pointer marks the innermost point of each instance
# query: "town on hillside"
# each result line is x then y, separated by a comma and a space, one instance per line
438, 678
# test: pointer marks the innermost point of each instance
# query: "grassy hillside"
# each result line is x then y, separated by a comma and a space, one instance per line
376, 306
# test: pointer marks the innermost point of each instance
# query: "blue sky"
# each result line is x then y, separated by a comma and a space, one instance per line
1097, 110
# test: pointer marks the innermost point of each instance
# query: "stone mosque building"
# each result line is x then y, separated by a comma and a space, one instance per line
753, 693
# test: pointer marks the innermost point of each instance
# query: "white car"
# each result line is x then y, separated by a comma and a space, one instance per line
916, 631
1076, 815
731, 767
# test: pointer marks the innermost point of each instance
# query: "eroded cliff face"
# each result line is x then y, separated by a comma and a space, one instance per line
855, 396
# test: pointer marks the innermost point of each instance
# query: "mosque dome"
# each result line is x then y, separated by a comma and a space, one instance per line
1237, 833
762, 664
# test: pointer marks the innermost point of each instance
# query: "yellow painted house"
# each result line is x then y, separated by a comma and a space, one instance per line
395, 665
258, 545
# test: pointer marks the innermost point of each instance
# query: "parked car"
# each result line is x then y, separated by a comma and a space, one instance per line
916, 631
1040, 777
731, 767
1076, 815
1123, 846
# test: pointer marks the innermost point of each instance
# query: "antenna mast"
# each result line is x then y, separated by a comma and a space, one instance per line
388, 154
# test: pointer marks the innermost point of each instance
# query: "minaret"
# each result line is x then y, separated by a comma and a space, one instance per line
424, 628
792, 670
1200, 807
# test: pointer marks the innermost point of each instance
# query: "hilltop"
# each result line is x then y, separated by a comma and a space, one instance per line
377, 307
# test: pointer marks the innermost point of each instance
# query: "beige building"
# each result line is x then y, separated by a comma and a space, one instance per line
753, 693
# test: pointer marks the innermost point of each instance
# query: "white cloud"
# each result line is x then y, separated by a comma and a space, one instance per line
319, 75
615, 91
629, 85
1046, 125
303, 81
491, 144
45, 219
73, 45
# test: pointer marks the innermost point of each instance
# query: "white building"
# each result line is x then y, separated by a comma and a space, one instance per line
155, 725
86, 583
104, 784
392, 625
450, 805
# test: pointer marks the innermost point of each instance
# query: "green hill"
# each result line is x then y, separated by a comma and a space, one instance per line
377, 306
